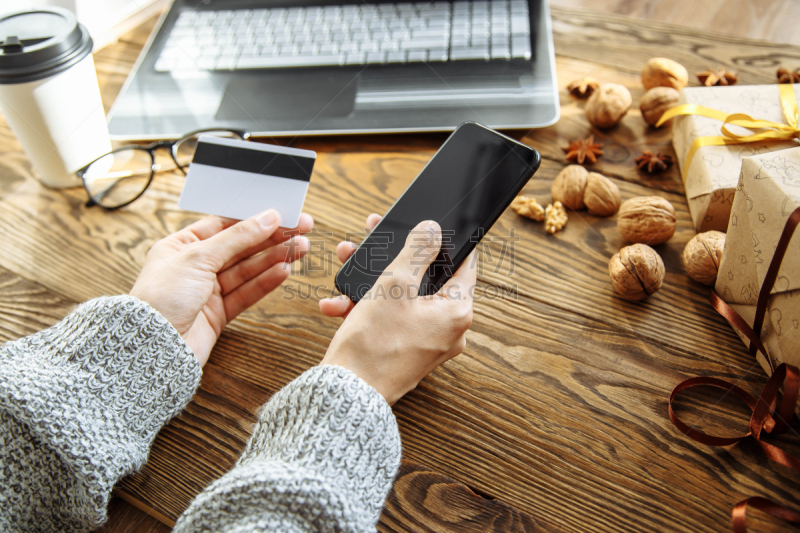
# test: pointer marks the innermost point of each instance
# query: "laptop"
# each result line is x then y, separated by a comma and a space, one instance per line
309, 67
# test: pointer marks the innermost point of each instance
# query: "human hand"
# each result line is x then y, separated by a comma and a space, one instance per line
201, 277
393, 342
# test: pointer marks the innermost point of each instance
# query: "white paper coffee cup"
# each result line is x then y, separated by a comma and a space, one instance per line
49, 93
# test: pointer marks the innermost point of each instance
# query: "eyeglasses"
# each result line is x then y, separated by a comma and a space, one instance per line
121, 176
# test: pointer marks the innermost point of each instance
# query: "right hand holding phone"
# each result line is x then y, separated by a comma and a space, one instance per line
393, 338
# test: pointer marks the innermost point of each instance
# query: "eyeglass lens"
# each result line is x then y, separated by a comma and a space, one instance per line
121, 176
184, 149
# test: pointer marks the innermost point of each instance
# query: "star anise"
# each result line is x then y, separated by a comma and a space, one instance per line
583, 88
581, 150
787, 76
720, 76
653, 163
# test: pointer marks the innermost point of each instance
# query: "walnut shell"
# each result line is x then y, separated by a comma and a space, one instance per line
608, 104
662, 72
601, 195
646, 219
702, 256
656, 101
569, 185
636, 272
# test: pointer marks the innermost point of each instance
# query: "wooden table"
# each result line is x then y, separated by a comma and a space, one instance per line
554, 418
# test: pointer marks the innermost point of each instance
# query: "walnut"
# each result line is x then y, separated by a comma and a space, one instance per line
528, 207
569, 185
608, 104
636, 272
555, 217
601, 195
661, 72
702, 255
656, 101
646, 219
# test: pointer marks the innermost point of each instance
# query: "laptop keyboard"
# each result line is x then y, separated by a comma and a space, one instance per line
347, 35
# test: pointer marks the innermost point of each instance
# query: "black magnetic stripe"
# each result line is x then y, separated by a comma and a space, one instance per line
255, 161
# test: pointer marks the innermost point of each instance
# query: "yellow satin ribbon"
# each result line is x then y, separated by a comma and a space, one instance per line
764, 130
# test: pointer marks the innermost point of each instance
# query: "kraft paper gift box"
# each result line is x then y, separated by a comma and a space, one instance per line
767, 193
713, 172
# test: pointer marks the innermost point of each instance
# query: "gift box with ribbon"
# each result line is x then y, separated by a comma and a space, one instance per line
761, 288
715, 128
758, 293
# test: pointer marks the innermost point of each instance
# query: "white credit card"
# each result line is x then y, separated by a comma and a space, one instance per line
239, 179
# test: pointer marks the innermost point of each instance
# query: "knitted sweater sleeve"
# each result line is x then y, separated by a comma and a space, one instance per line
322, 457
80, 405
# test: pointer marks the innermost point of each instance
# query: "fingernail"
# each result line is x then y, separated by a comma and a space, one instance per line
268, 218
434, 231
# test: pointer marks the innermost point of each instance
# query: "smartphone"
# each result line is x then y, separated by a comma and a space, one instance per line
465, 187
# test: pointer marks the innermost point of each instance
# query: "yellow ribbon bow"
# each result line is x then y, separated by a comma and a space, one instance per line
764, 130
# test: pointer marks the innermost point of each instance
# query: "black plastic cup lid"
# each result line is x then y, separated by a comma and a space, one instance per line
38, 43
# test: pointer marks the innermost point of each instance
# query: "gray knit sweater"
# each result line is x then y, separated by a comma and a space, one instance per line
81, 402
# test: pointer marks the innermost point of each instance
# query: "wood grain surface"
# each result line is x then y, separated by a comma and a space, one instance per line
125, 518
554, 418
769, 20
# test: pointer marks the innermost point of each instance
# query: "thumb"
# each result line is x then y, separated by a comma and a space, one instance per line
422, 246
243, 235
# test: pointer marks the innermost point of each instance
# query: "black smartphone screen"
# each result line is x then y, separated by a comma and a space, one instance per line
465, 187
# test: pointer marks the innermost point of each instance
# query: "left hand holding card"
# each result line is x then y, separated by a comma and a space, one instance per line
239, 179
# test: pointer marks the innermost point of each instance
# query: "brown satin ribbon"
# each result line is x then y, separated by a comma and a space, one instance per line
739, 323
739, 512
772, 274
764, 407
